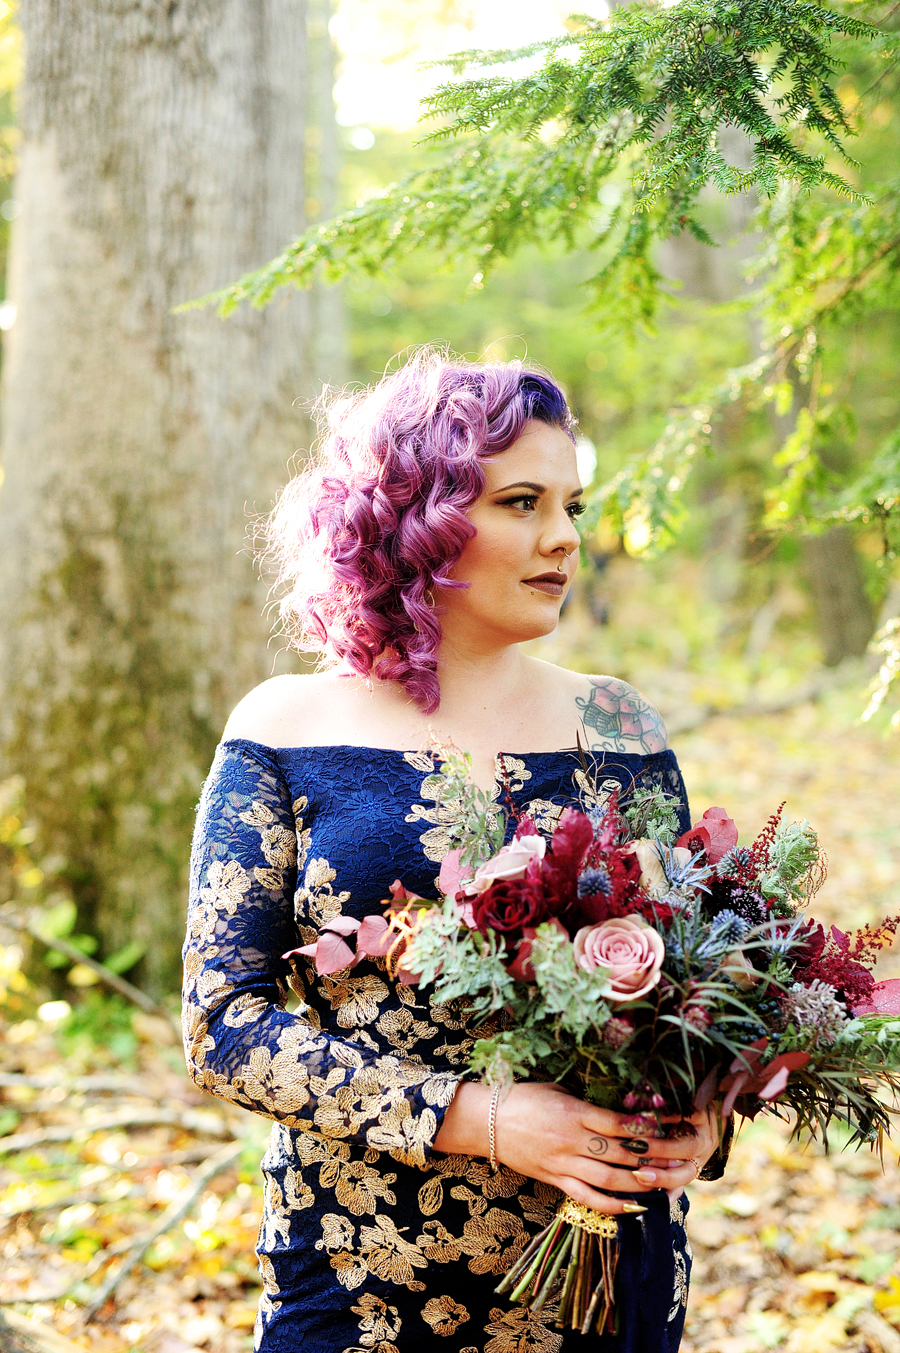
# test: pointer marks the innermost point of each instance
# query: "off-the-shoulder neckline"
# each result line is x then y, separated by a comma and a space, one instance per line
410, 751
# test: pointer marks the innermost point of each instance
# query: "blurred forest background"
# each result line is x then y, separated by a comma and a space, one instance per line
151, 155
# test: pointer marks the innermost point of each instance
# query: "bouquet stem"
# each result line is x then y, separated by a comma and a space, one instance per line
588, 1240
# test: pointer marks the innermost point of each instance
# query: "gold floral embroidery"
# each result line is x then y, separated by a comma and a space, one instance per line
247, 1009
377, 1319
358, 1187
210, 984
438, 1244
193, 964
504, 1183
279, 1083
444, 1315
546, 813
338, 1235
275, 1220
402, 1030
379, 1324
270, 879
435, 841
226, 886
389, 1256
494, 1241
595, 794
267, 1307
303, 833
277, 842
515, 1330
404, 1135
356, 999
540, 1205
680, 1293
318, 895
296, 1191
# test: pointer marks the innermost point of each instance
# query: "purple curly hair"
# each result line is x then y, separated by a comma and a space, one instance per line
361, 535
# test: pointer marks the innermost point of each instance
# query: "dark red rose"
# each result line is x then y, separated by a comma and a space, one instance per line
508, 907
521, 967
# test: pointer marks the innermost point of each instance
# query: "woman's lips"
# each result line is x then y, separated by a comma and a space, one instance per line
552, 584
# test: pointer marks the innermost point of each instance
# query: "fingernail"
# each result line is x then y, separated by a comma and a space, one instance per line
633, 1207
637, 1148
645, 1176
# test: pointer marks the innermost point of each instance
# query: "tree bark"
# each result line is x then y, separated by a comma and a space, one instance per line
845, 614
163, 155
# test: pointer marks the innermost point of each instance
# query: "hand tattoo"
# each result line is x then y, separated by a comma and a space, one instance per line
598, 1146
617, 719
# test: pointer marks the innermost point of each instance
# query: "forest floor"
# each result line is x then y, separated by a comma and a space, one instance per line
105, 1141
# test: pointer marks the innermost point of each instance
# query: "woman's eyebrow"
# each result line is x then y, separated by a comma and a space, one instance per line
523, 484
535, 488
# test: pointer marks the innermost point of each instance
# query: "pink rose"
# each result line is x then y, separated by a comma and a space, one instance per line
509, 863
629, 949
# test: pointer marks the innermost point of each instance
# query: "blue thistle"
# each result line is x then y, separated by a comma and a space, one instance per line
729, 928
594, 881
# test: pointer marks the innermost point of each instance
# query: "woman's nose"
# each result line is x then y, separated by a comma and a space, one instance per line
564, 535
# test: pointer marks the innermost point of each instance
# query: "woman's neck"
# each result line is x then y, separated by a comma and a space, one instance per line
476, 684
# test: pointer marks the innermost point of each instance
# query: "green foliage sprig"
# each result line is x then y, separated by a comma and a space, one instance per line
636, 103
474, 822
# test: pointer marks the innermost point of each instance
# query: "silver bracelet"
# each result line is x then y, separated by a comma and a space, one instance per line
492, 1127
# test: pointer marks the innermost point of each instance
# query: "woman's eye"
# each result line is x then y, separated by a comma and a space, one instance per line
527, 502
576, 509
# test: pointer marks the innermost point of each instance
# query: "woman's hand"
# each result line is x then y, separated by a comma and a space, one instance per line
547, 1134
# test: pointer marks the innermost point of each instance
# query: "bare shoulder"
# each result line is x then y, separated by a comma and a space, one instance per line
618, 718
283, 711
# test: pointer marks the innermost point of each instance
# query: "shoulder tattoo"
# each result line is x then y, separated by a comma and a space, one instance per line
617, 718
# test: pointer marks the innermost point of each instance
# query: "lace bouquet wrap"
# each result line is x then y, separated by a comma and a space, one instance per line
650, 973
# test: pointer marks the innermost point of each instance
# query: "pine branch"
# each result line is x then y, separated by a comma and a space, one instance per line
641, 98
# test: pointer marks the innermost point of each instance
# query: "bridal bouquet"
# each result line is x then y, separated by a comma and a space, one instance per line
652, 973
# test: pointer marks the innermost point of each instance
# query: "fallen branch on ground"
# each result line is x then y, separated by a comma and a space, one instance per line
192, 1120
176, 1211
70, 1200
877, 1331
18, 1334
813, 689
112, 979
115, 1085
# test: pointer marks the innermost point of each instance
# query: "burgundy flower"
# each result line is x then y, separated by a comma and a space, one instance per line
521, 967
508, 907
715, 833
826, 957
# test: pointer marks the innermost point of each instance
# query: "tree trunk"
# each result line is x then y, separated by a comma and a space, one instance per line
162, 156
845, 614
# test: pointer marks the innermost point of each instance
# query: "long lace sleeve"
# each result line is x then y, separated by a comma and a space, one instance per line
240, 1041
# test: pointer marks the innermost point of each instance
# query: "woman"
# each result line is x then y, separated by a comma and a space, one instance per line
433, 536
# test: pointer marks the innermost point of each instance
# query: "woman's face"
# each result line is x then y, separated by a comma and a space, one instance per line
521, 560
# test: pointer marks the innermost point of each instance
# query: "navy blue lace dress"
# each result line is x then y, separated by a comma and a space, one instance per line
372, 1241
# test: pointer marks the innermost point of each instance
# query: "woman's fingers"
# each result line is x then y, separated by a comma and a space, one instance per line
581, 1192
